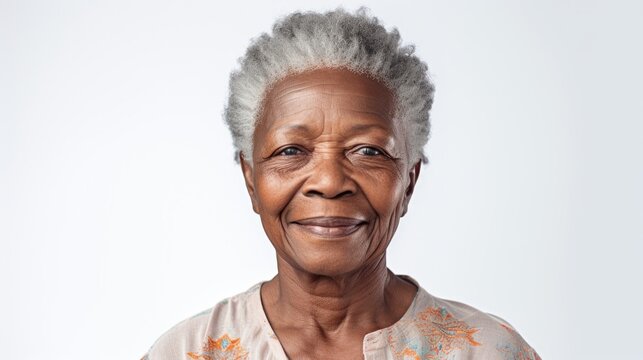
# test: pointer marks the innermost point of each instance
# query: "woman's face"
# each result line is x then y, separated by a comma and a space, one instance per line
331, 174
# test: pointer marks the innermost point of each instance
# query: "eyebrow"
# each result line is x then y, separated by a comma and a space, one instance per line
366, 127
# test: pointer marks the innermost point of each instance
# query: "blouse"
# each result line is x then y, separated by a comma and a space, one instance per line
432, 328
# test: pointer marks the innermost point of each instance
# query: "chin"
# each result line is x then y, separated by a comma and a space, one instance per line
331, 265
325, 256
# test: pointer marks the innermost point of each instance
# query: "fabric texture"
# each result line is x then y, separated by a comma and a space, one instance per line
432, 328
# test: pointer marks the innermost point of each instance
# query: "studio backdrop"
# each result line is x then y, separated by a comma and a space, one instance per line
122, 210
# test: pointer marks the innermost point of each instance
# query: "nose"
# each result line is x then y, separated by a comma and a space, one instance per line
329, 179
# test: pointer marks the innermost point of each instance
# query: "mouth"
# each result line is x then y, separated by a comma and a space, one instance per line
330, 227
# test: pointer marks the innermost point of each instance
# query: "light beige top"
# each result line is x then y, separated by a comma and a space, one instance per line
432, 328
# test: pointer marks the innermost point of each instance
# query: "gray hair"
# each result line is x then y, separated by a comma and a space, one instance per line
304, 41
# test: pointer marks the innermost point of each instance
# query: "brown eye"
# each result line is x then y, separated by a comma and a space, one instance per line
369, 151
290, 151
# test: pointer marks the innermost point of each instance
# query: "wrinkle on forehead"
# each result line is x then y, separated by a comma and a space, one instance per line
360, 98
337, 102
328, 76
346, 101
331, 82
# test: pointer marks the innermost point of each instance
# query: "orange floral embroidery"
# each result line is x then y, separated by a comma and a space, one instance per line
223, 348
410, 354
441, 333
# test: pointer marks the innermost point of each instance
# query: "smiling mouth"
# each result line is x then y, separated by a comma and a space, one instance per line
330, 227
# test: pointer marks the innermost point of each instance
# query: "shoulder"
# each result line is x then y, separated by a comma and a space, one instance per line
187, 334
453, 327
193, 335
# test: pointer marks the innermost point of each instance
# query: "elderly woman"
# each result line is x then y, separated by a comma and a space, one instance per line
329, 115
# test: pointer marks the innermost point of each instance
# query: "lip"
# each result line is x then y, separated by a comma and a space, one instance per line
330, 226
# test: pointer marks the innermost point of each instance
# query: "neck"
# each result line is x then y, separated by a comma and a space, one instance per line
368, 299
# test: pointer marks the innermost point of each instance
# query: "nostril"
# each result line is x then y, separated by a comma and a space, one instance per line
345, 193
328, 195
314, 193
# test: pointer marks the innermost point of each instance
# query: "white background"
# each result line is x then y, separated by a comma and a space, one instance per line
122, 211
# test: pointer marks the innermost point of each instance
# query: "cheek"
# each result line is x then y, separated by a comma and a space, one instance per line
274, 192
385, 194
384, 191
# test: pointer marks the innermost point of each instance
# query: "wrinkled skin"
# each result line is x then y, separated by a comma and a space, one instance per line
330, 177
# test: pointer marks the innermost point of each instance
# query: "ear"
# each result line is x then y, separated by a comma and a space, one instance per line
414, 173
248, 175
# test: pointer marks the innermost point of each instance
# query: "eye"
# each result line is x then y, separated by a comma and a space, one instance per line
289, 151
369, 151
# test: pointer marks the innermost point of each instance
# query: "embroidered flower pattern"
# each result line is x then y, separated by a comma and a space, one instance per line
441, 335
223, 348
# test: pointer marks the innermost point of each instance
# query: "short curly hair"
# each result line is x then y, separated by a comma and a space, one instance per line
303, 41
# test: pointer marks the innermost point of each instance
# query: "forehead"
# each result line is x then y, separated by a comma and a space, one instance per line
324, 92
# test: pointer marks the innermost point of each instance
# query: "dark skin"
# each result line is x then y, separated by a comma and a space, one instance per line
330, 177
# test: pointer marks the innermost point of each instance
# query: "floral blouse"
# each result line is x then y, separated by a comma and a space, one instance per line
432, 328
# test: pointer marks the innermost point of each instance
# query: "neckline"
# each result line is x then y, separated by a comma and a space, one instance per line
276, 346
